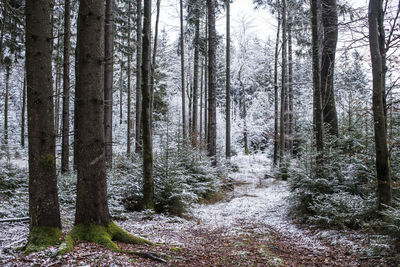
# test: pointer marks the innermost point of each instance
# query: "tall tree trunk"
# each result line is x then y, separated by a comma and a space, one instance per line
182, 45
201, 107
43, 196
138, 131
212, 83
148, 184
206, 86
121, 85
228, 83
377, 49
275, 160
330, 29
58, 86
244, 113
3, 29
108, 79
153, 61
66, 85
317, 105
129, 120
290, 96
23, 111
8, 69
195, 131
76, 99
283, 88
91, 201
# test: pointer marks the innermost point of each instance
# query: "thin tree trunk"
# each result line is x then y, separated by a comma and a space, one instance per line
201, 107
91, 201
291, 131
330, 30
66, 93
195, 133
129, 123
376, 41
43, 195
275, 160
58, 87
121, 85
153, 61
206, 87
148, 183
283, 88
212, 83
244, 113
317, 107
108, 79
8, 69
23, 111
182, 45
3, 28
228, 83
76, 99
138, 131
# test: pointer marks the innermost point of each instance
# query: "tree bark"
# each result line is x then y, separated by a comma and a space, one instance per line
201, 107
376, 41
129, 124
91, 201
317, 107
148, 184
66, 85
43, 195
290, 85
121, 85
228, 83
283, 88
23, 111
184, 132
195, 131
138, 131
212, 83
108, 79
330, 30
275, 159
8, 69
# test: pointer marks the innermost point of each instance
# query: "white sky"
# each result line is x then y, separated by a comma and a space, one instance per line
262, 22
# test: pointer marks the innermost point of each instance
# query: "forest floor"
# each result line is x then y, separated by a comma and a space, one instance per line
250, 227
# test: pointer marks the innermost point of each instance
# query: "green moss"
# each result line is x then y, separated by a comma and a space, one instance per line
41, 237
47, 160
105, 235
67, 245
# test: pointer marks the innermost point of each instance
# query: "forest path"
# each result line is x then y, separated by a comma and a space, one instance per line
250, 227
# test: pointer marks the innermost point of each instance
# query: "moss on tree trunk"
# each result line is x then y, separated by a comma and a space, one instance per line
41, 237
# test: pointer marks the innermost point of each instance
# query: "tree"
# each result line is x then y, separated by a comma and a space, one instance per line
138, 138
228, 83
66, 85
330, 32
7, 63
378, 52
44, 213
212, 83
148, 184
129, 120
108, 79
275, 160
317, 105
182, 47
283, 88
194, 131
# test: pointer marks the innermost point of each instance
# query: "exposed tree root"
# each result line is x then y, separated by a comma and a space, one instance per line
104, 235
41, 237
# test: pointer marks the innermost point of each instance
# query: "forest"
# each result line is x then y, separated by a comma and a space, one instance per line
199, 133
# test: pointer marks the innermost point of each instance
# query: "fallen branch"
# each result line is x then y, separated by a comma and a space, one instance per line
371, 258
23, 219
147, 255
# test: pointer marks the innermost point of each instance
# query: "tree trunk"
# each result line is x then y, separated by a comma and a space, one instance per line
212, 83
43, 195
283, 88
8, 69
23, 111
76, 99
290, 131
121, 85
317, 107
182, 71
201, 107
58, 87
376, 41
108, 79
244, 114
138, 131
275, 160
195, 131
66, 85
3, 28
148, 184
330, 29
128, 120
91, 201
153, 61
228, 83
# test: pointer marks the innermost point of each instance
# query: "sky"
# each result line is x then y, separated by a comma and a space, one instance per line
261, 21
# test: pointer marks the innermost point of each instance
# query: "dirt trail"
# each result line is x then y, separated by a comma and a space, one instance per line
250, 228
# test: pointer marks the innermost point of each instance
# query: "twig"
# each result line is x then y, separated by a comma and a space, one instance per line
147, 255
23, 219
